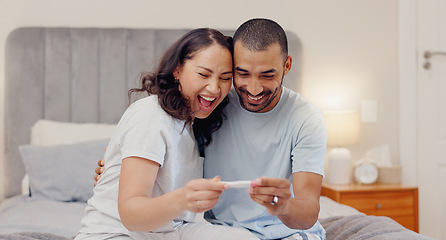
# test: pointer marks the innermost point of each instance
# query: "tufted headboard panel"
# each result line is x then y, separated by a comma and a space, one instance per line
80, 75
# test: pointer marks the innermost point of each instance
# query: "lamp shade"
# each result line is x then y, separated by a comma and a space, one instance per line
342, 128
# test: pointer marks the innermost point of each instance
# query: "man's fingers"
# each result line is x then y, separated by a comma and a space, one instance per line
270, 192
99, 170
262, 198
267, 188
96, 177
101, 163
273, 182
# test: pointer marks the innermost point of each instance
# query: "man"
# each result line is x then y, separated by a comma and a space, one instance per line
269, 131
271, 134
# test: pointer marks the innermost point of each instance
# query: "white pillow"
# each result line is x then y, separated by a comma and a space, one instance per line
43, 164
49, 133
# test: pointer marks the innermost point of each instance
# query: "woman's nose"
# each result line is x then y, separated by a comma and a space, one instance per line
214, 86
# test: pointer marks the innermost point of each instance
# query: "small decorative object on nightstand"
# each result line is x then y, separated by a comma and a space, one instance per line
396, 201
366, 172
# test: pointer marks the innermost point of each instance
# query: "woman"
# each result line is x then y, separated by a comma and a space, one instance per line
151, 187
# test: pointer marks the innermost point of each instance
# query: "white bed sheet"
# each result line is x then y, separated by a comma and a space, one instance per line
331, 208
21, 214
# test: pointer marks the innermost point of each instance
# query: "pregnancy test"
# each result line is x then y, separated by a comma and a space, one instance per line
241, 184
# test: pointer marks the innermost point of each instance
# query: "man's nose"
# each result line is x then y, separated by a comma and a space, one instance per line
254, 87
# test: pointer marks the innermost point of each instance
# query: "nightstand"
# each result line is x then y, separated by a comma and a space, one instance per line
392, 200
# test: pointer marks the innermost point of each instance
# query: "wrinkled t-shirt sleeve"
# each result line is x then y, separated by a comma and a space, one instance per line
308, 154
144, 132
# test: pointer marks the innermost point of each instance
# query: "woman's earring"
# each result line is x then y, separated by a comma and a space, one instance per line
179, 84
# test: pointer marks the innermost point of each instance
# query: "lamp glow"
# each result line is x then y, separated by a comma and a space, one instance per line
342, 130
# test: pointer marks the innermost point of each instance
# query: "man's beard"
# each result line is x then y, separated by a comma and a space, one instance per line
265, 104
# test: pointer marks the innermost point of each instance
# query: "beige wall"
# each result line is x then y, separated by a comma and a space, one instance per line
350, 47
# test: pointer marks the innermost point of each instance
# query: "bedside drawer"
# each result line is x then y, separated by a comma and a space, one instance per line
392, 200
391, 204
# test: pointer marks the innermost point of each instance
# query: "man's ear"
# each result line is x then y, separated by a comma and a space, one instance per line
287, 65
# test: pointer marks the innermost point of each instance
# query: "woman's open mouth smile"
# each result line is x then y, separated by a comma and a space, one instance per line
205, 103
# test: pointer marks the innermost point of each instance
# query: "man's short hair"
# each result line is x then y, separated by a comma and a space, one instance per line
258, 34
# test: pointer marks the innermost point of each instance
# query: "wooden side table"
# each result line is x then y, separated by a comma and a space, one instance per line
392, 200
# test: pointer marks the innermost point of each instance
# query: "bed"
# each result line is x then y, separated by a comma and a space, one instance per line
65, 89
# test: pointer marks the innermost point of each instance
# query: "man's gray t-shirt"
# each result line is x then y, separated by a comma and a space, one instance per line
290, 138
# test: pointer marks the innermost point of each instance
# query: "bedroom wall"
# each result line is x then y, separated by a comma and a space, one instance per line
350, 48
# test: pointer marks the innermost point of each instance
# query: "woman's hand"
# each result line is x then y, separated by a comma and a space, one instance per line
202, 194
141, 211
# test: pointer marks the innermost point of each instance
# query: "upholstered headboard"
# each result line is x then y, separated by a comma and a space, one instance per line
80, 75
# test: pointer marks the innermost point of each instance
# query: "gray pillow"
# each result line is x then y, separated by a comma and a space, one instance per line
62, 172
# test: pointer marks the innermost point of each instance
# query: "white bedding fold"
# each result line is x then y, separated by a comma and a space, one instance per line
20, 214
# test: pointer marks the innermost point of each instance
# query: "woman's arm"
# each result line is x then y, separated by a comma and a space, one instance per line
140, 212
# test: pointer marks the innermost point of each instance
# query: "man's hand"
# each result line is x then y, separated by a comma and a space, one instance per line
99, 170
267, 190
300, 212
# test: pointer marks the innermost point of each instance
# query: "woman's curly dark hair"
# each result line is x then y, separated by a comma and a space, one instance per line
162, 82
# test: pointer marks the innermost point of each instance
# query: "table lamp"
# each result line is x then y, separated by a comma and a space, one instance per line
342, 130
